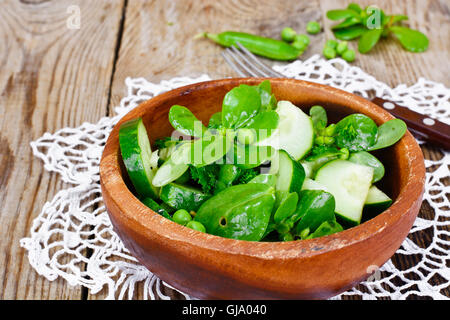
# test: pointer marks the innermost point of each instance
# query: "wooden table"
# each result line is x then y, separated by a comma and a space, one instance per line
55, 75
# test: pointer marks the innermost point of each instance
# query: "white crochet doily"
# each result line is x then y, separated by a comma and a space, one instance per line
73, 238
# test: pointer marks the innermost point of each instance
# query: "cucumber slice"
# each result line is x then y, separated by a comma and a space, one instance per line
349, 183
308, 168
310, 184
290, 173
183, 197
137, 157
294, 132
376, 202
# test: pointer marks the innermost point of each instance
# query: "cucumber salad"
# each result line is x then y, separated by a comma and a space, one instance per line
261, 169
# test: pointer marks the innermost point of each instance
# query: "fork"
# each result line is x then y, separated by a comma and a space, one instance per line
246, 64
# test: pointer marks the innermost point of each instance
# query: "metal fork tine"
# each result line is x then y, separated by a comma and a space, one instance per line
235, 56
232, 64
255, 71
251, 56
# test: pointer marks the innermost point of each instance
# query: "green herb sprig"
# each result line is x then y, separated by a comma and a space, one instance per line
371, 24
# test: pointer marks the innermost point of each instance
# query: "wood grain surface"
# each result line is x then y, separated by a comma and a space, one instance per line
54, 76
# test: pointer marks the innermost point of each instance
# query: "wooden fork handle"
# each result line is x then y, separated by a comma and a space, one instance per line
431, 130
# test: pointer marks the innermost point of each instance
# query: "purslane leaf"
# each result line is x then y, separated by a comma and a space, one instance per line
349, 33
369, 39
341, 14
347, 23
355, 7
411, 40
183, 120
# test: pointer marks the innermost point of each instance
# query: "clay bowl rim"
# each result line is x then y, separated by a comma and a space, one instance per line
143, 220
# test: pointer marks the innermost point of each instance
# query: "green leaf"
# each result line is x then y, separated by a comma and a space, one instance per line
240, 104
215, 122
369, 39
268, 100
389, 133
238, 212
355, 7
263, 124
398, 18
347, 23
182, 119
356, 132
349, 33
325, 229
341, 14
209, 149
367, 159
411, 40
318, 117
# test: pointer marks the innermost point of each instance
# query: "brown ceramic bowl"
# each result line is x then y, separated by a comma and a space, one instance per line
211, 267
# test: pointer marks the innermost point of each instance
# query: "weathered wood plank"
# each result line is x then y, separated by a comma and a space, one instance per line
53, 75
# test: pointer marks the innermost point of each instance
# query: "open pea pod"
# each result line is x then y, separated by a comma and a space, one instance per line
239, 212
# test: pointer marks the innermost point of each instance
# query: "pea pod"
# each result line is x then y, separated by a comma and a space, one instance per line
239, 212
266, 47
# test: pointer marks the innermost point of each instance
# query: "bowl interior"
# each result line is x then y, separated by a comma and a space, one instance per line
204, 100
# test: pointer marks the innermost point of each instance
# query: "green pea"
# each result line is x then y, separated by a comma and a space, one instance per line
344, 154
349, 55
329, 53
246, 136
313, 27
331, 43
181, 217
288, 34
195, 225
299, 45
328, 140
342, 47
302, 38
329, 131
